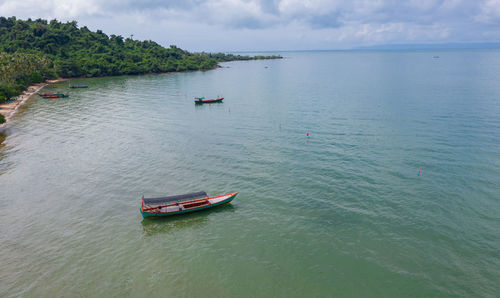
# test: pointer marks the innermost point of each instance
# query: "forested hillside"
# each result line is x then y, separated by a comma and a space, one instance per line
34, 50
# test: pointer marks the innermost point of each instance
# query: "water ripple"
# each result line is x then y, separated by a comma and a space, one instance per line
342, 211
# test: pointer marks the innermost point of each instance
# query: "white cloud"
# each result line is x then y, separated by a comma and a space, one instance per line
275, 24
489, 12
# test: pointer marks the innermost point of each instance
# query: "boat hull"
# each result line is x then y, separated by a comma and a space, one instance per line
53, 95
223, 200
58, 96
208, 101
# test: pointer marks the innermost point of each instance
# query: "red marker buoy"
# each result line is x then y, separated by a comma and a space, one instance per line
307, 134
419, 171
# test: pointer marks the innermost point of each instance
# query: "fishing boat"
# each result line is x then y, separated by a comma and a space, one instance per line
54, 95
47, 94
12, 99
78, 86
58, 93
200, 100
153, 207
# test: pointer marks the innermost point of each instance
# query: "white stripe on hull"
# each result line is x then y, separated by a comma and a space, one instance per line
219, 199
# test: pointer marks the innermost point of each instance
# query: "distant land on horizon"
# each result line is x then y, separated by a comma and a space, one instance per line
395, 47
435, 46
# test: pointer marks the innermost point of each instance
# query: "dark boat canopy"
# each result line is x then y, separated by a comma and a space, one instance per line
177, 198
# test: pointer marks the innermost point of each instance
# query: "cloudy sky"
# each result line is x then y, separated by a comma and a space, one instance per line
256, 25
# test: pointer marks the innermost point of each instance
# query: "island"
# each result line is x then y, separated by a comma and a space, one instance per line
33, 51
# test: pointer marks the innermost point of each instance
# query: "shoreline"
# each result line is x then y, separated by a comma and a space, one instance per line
8, 110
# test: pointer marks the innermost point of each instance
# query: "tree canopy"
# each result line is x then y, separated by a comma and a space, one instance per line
34, 50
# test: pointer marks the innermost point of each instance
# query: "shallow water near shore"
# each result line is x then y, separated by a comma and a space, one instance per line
343, 212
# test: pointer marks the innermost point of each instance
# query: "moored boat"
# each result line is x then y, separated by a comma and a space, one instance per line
54, 95
200, 100
78, 86
154, 207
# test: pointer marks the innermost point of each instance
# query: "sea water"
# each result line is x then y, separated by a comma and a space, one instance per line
360, 173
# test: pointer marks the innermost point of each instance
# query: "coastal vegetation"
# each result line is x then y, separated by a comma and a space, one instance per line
32, 51
19, 70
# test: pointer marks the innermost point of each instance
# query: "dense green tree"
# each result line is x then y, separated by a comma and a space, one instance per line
7, 91
32, 51
19, 70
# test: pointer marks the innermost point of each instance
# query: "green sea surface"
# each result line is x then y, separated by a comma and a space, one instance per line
342, 212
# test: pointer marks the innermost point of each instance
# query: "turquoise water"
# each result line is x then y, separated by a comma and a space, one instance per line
343, 212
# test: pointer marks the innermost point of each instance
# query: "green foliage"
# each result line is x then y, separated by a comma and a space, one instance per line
33, 51
25, 66
9, 90
220, 57
2, 119
19, 70
77, 52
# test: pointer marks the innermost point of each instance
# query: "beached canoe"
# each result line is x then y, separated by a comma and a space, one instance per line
12, 99
190, 202
201, 100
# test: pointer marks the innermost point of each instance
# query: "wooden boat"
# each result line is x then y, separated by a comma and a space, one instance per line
78, 86
12, 99
179, 204
200, 100
55, 95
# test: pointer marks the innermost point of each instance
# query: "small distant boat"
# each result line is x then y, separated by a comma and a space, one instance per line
200, 100
54, 95
12, 99
51, 93
435, 57
78, 86
179, 204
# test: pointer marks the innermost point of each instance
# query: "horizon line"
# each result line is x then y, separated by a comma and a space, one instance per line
399, 46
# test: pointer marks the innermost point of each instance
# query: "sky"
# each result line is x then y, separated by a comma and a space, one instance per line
259, 25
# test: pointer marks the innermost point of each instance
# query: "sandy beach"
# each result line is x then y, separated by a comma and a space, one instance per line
10, 109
